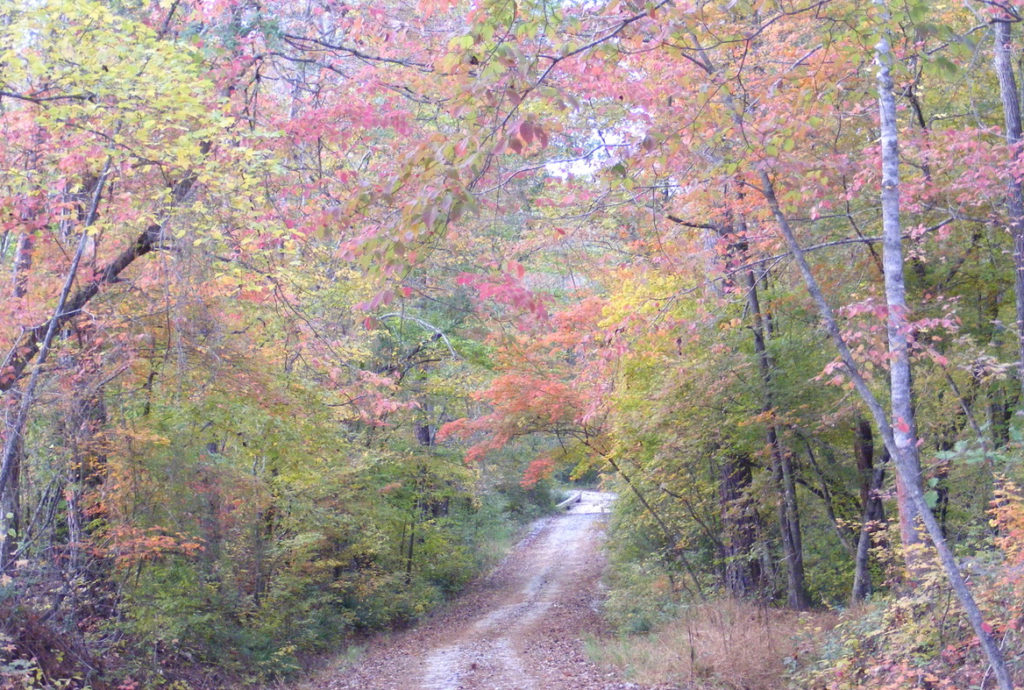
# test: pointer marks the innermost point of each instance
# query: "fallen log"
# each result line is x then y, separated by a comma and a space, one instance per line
568, 503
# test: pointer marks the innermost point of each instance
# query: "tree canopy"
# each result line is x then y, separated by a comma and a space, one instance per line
303, 296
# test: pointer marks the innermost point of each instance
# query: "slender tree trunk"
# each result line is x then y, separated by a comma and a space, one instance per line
1014, 196
904, 423
871, 515
411, 544
13, 446
418, 511
73, 520
871, 478
10, 513
782, 463
904, 428
670, 535
796, 590
912, 482
10, 499
23, 263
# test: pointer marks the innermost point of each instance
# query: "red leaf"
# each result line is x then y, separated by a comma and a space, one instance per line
526, 132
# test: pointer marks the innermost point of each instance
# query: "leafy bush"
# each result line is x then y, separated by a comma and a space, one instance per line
641, 597
914, 638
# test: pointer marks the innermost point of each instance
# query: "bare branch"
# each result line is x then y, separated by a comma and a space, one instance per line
438, 333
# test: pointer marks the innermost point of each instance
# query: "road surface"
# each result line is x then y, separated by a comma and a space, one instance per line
520, 628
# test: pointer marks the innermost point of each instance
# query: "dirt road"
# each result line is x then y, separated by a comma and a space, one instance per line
520, 628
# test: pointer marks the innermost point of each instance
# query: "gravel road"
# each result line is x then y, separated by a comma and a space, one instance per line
519, 628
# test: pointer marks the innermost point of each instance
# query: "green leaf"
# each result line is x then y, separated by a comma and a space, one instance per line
918, 11
462, 42
946, 66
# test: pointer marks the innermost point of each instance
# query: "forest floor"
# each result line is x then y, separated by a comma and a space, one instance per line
522, 627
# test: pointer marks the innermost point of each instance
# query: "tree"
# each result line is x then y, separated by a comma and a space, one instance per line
261, 245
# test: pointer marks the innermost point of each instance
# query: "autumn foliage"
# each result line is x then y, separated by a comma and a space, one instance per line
308, 304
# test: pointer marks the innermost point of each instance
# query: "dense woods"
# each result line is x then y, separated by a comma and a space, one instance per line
310, 304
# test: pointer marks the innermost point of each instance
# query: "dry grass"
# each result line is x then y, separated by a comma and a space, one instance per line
721, 644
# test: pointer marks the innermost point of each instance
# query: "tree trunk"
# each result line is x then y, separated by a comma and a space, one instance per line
743, 575
782, 463
871, 478
423, 435
904, 423
10, 513
13, 447
911, 482
903, 431
411, 545
23, 263
10, 498
1014, 195
670, 535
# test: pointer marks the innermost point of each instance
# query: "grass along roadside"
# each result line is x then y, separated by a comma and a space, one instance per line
718, 644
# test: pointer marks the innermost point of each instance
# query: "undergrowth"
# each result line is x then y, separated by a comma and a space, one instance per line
915, 638
723, 643
174, 628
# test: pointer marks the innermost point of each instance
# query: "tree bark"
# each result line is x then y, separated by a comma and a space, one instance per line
23, 262
423, 435
904, 422
10, 512
743, 574
903, 452
914, 493
904, 429
10, 500
1010, 98
37, 340
871, 478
